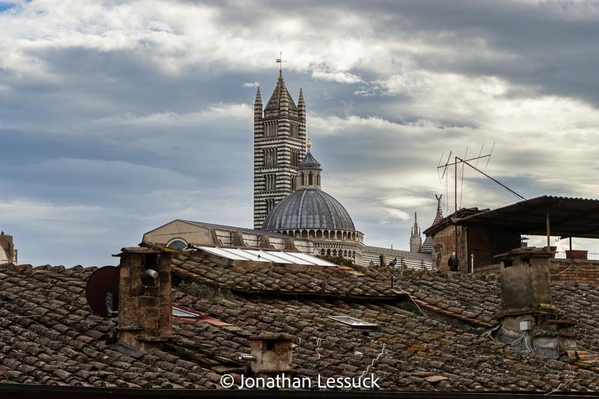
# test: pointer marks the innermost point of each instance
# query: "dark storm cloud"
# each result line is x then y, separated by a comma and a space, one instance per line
95, 83
549, 46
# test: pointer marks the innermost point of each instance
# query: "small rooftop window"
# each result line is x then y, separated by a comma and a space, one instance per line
177, 312
177, 244
352, 321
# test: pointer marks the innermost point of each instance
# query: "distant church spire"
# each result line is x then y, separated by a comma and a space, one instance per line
415, 237
427, 246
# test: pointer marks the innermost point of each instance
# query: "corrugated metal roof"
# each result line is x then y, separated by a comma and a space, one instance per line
291, 258
568, 217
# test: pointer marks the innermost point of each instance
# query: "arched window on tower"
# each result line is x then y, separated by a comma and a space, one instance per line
270, 203
270, 158
271, 182
270, 128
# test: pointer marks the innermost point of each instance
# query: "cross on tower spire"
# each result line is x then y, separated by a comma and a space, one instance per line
281, 61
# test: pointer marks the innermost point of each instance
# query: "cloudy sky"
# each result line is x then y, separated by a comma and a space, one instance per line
119, 116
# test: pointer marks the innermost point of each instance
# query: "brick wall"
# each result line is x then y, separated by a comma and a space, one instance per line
443, 242
575, 270
481, 243
568, 270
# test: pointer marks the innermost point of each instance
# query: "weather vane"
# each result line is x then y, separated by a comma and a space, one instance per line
281, 61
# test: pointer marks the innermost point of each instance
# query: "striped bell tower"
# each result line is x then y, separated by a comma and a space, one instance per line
279, 145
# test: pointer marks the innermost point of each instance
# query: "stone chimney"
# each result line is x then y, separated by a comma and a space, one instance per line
528, 319
145, 299
8, 253
525, 281
271, 354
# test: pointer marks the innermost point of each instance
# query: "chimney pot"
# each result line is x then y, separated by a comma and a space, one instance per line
152, 273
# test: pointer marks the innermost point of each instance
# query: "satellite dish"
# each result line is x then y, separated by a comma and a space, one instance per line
102, 291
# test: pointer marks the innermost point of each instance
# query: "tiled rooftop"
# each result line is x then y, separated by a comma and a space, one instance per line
431, 335
50, 336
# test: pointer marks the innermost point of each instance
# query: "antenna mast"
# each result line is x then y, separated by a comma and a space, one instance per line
455, 257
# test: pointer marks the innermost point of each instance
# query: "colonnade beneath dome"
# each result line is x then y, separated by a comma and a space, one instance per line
336, 235
345, 249
338, 252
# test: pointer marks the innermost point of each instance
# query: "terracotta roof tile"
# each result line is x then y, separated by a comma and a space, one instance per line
432, 339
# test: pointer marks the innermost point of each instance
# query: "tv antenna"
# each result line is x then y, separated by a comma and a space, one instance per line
464, 161
457, 160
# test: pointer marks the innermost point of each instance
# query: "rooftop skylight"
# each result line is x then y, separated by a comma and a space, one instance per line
177, 312
352, 321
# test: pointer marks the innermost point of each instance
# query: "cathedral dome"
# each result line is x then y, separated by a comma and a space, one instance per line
308, 208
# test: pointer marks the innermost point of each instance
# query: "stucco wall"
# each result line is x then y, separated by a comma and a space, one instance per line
178, 229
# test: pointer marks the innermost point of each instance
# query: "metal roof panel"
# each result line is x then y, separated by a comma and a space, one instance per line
253, 255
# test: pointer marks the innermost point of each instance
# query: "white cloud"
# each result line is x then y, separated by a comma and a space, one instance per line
322, 72
216, 112
406, 84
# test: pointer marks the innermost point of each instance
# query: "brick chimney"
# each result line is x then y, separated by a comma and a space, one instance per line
145, 299
528, 319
